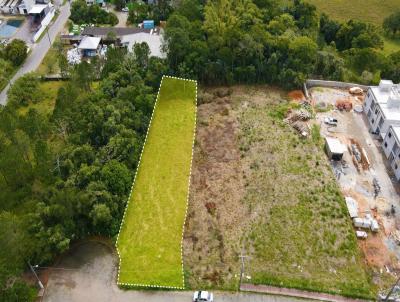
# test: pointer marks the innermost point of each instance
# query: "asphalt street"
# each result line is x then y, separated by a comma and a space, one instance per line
39, 50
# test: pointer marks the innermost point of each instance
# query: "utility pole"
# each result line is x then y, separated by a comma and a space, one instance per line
241, 256
33, 271
391, 290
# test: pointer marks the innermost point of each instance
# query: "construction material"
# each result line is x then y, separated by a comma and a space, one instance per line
352, 206
374, 226
356, 90
344, 104
377, 187
361, 234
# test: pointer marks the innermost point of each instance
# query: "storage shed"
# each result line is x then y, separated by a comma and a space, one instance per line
334, 148
89, 46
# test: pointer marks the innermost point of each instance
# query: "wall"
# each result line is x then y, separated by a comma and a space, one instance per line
45, 22
333, 84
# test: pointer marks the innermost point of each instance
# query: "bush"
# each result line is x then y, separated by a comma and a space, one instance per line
82, 13
16, 52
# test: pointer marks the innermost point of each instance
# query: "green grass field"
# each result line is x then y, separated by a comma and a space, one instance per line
373, 11
149, 242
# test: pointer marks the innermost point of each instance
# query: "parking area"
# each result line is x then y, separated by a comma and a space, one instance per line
364, 175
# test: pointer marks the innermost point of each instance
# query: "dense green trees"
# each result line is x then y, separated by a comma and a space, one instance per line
82, 13
391, 24
223, 42
16, 52
66, 176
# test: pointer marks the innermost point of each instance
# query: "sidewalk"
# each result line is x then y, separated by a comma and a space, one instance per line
295, 293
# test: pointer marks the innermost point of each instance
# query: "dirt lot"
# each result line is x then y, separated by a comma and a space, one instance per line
260, 190
380, 250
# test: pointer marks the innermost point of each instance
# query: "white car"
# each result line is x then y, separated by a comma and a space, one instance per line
203, 296
125, 9
331, 121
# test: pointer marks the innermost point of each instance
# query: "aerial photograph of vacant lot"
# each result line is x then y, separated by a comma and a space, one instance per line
191, 150
262, 192
149, 242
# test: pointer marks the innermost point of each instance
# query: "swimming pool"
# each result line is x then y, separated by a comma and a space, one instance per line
9, 27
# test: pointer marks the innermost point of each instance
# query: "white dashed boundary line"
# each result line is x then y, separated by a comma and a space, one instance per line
130, 285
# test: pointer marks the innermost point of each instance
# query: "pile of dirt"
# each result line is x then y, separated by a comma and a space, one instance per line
297, 96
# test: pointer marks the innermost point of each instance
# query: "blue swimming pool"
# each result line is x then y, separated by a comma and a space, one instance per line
9, 28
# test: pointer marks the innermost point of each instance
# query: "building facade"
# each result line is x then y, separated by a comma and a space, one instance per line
391, 148
382, 107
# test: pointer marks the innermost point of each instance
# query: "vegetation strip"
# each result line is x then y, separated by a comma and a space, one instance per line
145, 242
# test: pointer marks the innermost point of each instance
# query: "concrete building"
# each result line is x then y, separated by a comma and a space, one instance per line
382, 107
391, 148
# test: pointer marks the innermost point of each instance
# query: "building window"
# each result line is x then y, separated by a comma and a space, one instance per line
395, 166
385, 144
390, 135
376, 110
372, 121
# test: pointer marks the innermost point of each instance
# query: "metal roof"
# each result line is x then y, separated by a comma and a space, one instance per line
89, 43
119, 31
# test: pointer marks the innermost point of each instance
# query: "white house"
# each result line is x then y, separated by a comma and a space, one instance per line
391, 148
382, 107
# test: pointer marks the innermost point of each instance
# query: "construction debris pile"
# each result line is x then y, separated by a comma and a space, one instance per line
362, 223
393, 296
298, 120
73, 56
359, 155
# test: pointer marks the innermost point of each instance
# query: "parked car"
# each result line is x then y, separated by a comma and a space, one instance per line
125, 10
203, 296
331, 121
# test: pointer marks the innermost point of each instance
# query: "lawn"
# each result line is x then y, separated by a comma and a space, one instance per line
149, 242
49, 91
373, 11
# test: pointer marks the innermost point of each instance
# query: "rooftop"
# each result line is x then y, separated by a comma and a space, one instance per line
91, 43
335, 146
37, 9
387, 96
118, 31
153, 41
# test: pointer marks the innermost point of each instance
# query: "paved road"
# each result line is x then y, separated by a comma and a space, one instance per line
39, 50
89, 272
